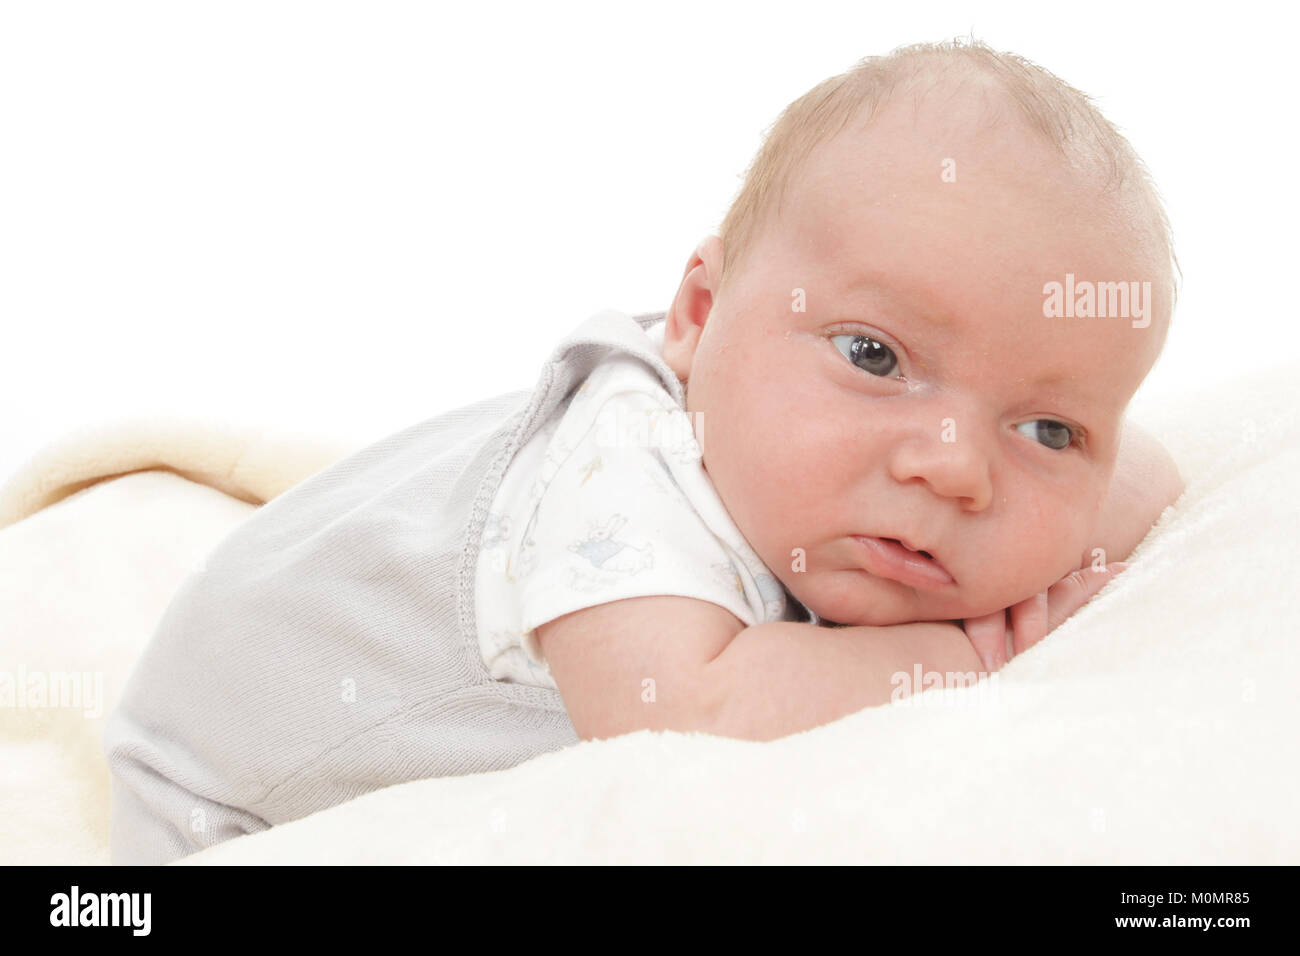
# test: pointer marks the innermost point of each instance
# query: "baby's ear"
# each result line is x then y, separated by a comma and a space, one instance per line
1147, 461
1144, 483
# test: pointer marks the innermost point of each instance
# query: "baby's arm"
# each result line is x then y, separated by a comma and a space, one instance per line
676, 663
782, 677
1145, 482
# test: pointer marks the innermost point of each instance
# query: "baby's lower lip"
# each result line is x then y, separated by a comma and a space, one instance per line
887, 558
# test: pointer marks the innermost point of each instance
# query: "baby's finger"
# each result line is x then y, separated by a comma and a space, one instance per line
988, 635
1075, 590
1028, 622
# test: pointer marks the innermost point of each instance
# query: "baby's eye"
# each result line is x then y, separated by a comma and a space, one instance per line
1054, 435
868, 354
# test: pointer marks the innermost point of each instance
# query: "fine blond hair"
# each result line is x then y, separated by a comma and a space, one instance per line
1051, 107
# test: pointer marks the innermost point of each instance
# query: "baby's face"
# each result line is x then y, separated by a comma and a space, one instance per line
921, 394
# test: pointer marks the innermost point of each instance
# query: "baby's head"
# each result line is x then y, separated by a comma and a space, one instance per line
874, 345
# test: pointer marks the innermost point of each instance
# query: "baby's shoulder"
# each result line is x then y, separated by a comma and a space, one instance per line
623, 406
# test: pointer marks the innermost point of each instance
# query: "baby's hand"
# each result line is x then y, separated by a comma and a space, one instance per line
997, 639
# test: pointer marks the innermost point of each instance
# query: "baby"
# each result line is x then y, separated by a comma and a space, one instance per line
903, 368
901, 419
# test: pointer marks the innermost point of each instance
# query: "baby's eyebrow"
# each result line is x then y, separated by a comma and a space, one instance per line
878, 286
1048, 378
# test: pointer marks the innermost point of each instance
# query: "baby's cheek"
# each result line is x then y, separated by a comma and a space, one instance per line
1078, 543
1066, 517
1059, 554
1028, 564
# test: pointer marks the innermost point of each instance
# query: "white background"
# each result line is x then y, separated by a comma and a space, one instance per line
347, 217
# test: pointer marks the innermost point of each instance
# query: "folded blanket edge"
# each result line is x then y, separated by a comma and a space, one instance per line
248, 461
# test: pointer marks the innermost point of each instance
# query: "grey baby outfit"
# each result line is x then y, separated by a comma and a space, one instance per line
329, 647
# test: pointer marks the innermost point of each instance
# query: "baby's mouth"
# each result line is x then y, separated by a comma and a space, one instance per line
892, 558
913, 550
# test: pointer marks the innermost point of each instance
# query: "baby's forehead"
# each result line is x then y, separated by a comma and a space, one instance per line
1009, 233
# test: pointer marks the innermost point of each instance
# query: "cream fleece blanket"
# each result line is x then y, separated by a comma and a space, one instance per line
1158, 725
